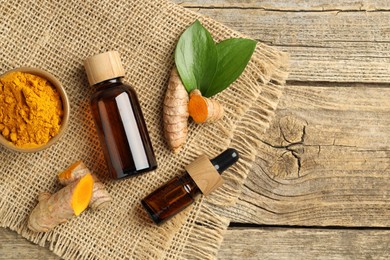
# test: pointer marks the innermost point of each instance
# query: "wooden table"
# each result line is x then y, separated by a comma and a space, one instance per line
321, 184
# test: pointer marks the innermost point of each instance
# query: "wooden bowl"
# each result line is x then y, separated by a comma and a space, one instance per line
65, 106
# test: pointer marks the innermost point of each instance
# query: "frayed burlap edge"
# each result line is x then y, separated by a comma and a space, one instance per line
206, 236
246, 138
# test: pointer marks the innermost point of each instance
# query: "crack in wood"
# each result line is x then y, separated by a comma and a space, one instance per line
313, 84
332, 227
284, 10
289, 129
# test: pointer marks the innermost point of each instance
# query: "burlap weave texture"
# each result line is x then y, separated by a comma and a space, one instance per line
57, 36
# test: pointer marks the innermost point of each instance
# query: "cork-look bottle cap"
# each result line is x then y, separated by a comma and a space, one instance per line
103, 67
204, 175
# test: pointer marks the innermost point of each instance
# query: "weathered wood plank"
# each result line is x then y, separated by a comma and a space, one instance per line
14, 246
336, 46
281, 243
291, 5
324, 161
259, 243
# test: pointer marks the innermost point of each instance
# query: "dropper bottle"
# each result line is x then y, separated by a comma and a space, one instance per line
202, 177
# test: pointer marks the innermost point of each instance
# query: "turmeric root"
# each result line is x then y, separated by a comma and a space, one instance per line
202, 109
175, 111
100, 197
55, 209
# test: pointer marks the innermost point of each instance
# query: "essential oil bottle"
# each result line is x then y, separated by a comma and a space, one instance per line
202, 177
118, 118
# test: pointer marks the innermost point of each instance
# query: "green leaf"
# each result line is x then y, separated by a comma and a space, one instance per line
233, 56
196, 57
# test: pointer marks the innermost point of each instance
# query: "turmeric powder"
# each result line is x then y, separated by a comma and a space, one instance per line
30, 109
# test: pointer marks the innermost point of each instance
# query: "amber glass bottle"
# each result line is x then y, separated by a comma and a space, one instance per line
180, 192
118, 118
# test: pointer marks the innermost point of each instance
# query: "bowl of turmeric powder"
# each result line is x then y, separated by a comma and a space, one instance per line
34, 109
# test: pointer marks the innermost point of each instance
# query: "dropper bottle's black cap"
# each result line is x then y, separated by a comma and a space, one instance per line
225, 159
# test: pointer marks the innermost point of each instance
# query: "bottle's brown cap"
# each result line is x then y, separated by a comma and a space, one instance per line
103, 67
204, 175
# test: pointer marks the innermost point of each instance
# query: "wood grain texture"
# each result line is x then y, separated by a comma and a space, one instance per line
339, 45
282, 243
291, 5
14, 246
324, 161
254, 243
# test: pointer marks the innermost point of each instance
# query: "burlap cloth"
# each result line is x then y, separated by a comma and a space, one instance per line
57, 36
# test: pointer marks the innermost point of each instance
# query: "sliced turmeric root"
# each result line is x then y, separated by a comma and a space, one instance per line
82, 194
100, 197
58, 208
202, 109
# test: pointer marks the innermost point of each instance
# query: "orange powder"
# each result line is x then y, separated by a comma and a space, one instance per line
30, 109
